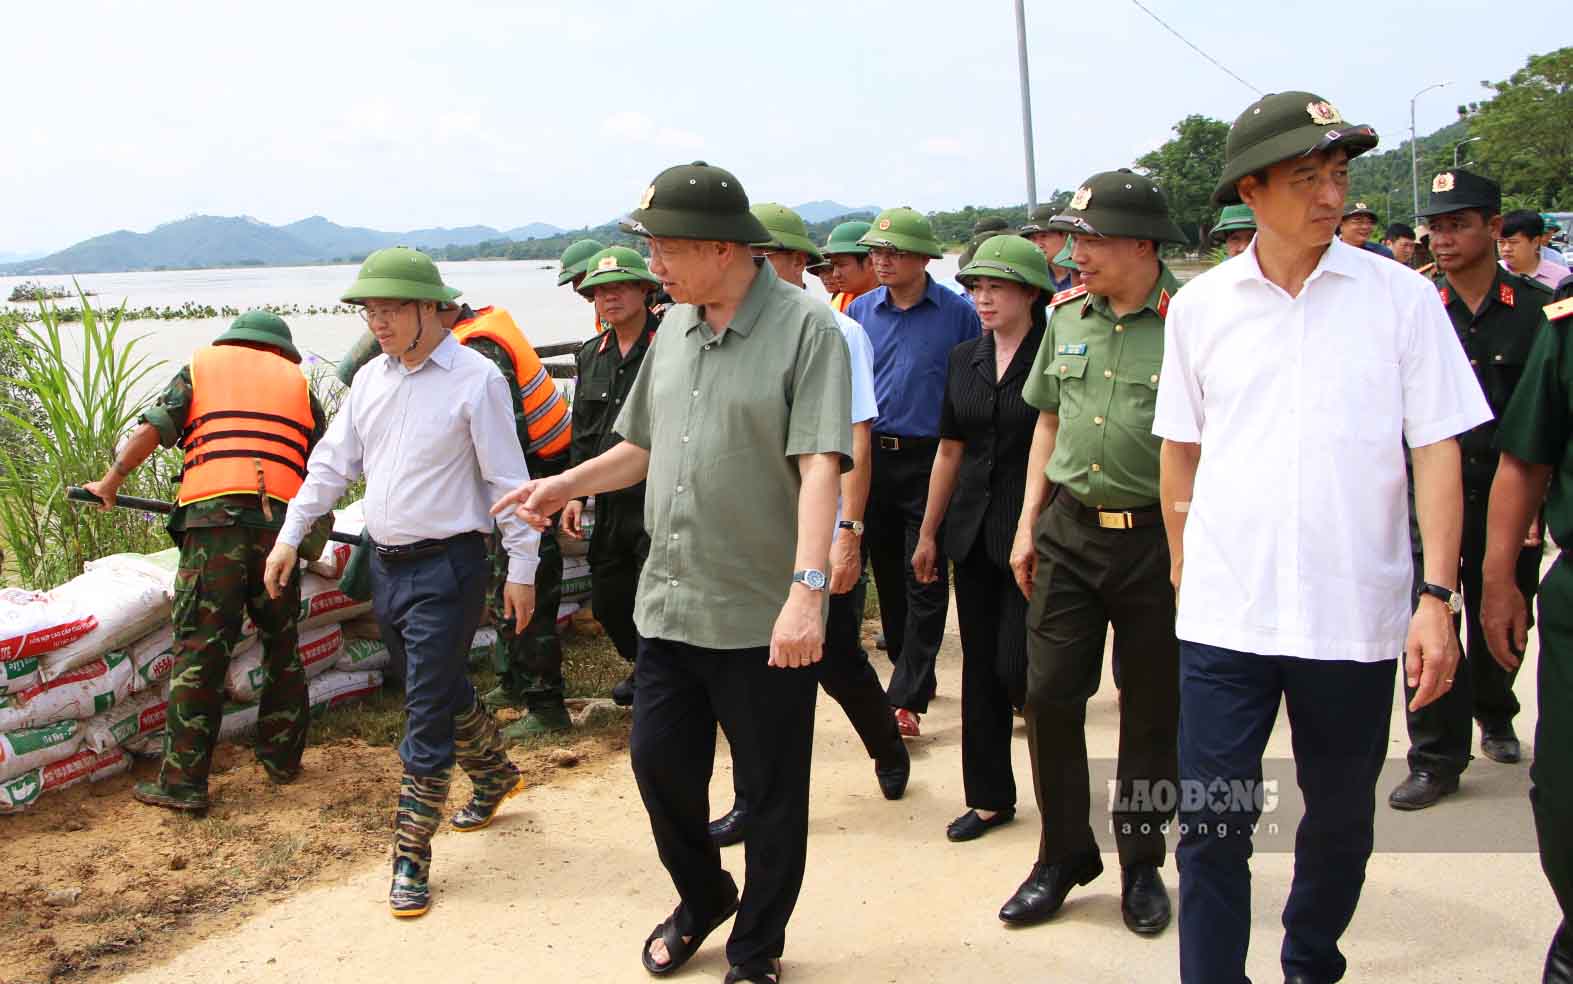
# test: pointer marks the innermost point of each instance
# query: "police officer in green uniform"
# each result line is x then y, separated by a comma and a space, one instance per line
1236, 226
619, 283
1094, 553
1496, 314
1536, 441
224, 541
1052, 242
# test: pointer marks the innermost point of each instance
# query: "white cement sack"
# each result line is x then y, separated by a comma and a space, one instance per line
18, 674
484, 642
341, 686
152, 658
27, 749
37, 622
239, 720
85, 691
319, 649
85, 766
141, 715
321, 603
335, 555
129, 594
363, 654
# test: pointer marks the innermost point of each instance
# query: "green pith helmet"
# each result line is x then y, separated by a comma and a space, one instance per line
616, 264
1062, 259
696, 201
1038, 220
989, 225
398, 273
977, 241
786, 230
1282, 126
575, 257
844, 239
1009, 257
1234, 218
262, 328
1119, 203
904, 229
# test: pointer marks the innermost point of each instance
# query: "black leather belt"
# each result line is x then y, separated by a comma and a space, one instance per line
1136, 518
892, 442
403, 553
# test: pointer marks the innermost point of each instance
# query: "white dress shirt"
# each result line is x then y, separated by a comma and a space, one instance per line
437, 445
1297, 536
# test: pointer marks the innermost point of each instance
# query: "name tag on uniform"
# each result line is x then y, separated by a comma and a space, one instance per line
1080, 349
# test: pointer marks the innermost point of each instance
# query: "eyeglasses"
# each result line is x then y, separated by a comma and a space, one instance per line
887, 252
384, 314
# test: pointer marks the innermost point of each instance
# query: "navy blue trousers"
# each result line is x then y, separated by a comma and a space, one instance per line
1339, 712
428, 610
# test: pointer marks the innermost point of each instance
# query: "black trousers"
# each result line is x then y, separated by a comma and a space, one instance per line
1089, 578
1440, 734
619, 545
848, 678
993, 621
1551, 775
912, 614
681, 693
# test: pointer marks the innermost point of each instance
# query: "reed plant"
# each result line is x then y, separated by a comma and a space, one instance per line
69, 407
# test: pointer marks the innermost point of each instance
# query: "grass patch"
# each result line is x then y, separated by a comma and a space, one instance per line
276, 858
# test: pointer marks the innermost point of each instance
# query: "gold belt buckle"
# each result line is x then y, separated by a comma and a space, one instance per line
887, 443
1115, 520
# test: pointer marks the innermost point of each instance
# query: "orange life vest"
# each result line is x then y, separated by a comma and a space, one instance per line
248, 426
545, 411
843, 300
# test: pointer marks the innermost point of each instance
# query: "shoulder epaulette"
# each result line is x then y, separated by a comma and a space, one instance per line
1063, 296
1559, 310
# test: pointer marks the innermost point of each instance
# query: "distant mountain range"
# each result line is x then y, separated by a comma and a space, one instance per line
219, 241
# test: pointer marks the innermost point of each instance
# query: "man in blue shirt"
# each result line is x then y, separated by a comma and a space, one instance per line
912, 323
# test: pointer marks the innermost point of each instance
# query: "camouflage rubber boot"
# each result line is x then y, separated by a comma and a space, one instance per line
483, 755
421, 800
544, 719
170, 797
501, 697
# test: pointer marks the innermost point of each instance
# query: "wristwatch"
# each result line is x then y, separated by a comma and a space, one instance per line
814, 580
1452, 599
856, 526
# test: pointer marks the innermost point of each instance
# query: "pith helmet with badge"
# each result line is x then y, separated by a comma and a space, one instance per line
261, 328
575, 258
1038, 220
696, 201
1119, 204
1456, 190
1282, 126
1008, 257
616, 264
1359, 208
905, 229
399, 273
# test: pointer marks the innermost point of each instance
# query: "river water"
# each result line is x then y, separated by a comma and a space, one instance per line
545, 312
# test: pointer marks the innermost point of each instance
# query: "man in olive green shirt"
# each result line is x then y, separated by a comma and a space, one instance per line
1536, 466
740, 422
1093, 552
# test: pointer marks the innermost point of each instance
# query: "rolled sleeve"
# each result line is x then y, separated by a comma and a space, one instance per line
820, 421
1442, 397
1178, 416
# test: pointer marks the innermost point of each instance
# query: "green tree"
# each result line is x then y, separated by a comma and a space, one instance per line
1187, 169
1526, 130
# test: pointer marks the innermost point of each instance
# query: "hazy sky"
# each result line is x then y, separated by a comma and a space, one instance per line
397, 115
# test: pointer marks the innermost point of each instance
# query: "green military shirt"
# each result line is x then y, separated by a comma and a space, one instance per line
168, 416
1497, 339
1099, 374
723, 416
606, 376
1538, 424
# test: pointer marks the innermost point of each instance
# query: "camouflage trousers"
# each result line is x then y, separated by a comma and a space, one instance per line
219, 582
530, 664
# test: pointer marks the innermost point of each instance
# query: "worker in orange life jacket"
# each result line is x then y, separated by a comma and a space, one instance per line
247, 421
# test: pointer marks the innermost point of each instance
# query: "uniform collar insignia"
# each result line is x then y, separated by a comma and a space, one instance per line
1068, 295
1447, 295
1505, 295
1163, 303
605, 338
1560, 309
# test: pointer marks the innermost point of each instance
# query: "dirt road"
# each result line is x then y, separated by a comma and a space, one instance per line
566, 884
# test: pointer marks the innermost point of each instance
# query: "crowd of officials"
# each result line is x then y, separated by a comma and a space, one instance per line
1067, 435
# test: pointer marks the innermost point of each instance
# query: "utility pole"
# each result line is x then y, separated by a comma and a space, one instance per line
1026, 106
1414, 143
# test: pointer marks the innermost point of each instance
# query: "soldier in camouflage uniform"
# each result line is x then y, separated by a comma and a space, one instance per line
224, 541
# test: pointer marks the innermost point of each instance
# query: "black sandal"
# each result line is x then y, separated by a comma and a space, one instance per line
758, 972
677, 951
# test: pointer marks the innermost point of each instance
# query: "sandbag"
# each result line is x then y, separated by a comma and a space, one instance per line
341, 686
363, 654
319, 649
566, 612
85, 691
322, 603
336, 555
18, 674
129, 594
84, 766
152, 658
37, 622
27, 749
141, 715
238, 721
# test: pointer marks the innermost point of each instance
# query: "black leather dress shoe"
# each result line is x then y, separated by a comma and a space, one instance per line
730, 829
970, 826
1420, 790
1500, 744
1044, 891
893, 771
1559, 959
1144, 902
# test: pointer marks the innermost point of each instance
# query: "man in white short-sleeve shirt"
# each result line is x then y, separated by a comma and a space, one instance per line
1293, 376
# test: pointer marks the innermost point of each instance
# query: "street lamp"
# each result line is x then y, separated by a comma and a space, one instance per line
1459, 146
1414, 142
1026, 106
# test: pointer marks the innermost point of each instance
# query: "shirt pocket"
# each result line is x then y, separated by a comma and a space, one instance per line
1138, 395
1071, 373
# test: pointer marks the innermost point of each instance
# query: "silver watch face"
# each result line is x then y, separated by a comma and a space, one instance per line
814, 579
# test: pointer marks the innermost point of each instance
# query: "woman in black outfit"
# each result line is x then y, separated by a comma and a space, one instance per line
975, 491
